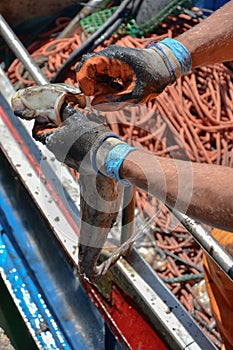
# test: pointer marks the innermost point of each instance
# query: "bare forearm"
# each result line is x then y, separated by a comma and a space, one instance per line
211, 41
203, 191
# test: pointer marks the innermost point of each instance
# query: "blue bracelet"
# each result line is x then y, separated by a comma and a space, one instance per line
181, 53
115, 158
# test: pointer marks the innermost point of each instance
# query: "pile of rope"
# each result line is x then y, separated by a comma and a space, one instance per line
192, 119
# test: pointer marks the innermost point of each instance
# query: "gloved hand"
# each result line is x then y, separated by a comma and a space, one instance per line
77, 140
76, 137
118, 75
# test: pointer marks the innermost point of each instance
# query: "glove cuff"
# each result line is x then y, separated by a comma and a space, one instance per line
175, 56
110, 156
101, 144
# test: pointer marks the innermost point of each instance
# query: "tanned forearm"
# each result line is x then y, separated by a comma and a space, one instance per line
211, 41
203, 191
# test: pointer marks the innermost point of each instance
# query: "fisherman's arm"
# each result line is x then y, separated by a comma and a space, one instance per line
203, 191
211, 41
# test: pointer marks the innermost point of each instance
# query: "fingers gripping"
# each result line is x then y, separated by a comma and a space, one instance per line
100, 74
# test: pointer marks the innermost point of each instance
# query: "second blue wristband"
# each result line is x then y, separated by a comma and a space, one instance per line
115, 158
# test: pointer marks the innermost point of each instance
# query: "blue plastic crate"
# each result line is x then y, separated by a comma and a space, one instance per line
210, 4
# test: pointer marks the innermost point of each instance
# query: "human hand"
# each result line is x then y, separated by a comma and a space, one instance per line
76, 141
118, 75
61, 121
68, 130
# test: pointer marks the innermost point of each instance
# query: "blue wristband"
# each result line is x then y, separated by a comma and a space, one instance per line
115, 158
181, 53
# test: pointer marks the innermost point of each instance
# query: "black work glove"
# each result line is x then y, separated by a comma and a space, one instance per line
76, 137
119, 75
76, 141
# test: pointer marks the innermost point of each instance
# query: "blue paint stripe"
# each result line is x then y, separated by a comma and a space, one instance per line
21, 247
31, 302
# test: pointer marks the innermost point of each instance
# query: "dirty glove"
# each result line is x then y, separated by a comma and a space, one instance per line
78, 139
118, 75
